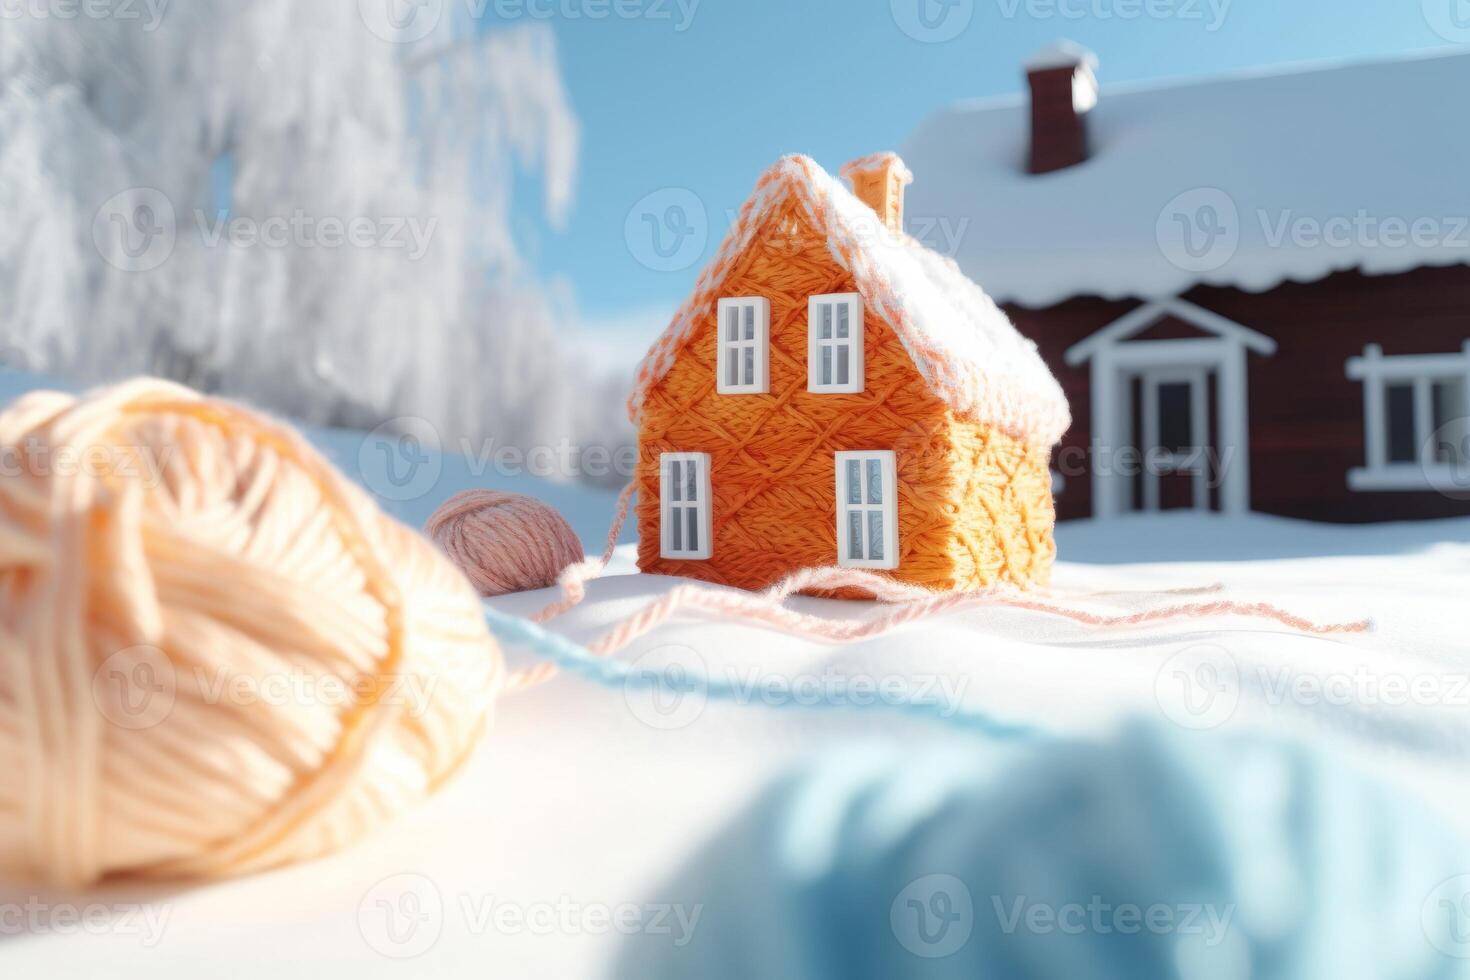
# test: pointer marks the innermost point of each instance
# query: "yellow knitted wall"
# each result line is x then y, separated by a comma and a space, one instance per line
1005, 515
974, 506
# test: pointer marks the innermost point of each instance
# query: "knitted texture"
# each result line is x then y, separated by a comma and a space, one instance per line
877, 161
974, 501
963, 346
504, 542
219, 655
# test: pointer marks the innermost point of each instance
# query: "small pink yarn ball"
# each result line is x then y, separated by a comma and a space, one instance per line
504, 542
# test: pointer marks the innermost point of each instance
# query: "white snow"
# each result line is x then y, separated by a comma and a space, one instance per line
381, 462
1302, 171
328, 214
1061, 54
590, 798
1065, 54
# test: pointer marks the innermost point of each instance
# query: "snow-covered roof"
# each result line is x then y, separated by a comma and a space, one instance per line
963, 345
1292, 174
1061, 54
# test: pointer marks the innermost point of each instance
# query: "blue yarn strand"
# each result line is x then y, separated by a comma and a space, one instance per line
610, 672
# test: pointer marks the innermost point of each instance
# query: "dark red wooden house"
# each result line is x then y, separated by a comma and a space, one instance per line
1254, 289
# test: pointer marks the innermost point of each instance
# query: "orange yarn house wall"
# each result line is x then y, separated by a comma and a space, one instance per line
974, 504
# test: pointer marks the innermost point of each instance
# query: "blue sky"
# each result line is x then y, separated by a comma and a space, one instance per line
701, 95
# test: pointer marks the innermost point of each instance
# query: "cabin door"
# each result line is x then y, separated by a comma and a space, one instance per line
1172, 428
1169, 420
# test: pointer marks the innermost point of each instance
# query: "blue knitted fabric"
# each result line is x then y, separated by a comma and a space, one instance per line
1154, 854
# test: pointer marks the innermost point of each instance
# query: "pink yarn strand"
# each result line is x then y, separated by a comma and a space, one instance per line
915, 604
910, 602
573, 582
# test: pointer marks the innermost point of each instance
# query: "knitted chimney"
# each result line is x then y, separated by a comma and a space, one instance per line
878, 181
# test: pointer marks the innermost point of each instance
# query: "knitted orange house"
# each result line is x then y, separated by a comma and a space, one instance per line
836, 393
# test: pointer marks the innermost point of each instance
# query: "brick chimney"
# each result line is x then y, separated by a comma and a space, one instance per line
878, 181
1063, 91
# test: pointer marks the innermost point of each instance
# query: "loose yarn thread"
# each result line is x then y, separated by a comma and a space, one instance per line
913, 603
561, 653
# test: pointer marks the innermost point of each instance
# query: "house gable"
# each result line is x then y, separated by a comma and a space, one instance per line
785, 261
1146, 316
1169, 328
964, 347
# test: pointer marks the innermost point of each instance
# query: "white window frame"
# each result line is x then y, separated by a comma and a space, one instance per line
1379, 372
853, 342
759, 309
673, 505
888, 473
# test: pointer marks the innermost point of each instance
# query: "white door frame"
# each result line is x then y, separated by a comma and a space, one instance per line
1115, 356
1112, 483
1196, 463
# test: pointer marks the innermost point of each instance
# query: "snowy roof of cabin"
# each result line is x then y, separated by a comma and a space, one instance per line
963, 345
1061, 54
1365, 150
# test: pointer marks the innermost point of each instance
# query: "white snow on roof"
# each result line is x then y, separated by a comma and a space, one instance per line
1061, 54
1245, 181
962, 343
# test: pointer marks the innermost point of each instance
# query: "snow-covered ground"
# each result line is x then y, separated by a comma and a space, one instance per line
585, 800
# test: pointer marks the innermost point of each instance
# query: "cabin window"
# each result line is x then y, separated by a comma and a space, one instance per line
744, 348
835, 350
867, 510
1416, 418
684, 496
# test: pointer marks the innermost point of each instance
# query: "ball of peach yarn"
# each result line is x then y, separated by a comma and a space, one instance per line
504, 542
217, 655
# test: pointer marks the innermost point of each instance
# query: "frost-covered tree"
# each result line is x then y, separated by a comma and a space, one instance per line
277, 199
